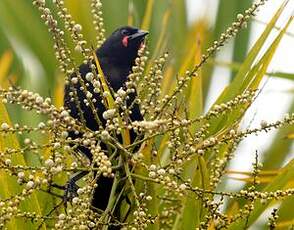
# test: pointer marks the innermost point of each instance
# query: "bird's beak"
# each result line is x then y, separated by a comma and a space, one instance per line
139, 35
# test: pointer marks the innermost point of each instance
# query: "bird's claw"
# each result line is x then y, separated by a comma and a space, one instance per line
71, 191
71, 188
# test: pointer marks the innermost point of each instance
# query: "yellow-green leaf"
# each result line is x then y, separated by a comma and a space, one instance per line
9, 187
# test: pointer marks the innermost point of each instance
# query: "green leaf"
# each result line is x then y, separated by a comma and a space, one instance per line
236, 66
148, 15
280, 147
278, 183
289, 76
285, 212
193, 210
19, 20
235, 87
248, 77
9, 187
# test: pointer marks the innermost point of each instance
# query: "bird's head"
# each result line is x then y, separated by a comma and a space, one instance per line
123, 44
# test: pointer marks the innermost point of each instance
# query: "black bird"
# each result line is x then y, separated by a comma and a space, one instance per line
116, 57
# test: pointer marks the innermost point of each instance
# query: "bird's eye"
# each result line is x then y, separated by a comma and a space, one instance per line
125, 32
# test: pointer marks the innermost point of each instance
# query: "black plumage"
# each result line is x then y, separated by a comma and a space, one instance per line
116, 57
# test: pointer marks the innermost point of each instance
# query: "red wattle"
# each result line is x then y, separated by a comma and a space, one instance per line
125, 41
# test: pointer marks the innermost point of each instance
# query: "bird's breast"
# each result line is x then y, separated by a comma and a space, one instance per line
115, 73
